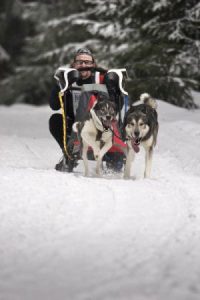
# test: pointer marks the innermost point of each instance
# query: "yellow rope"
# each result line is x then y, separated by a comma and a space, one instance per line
61, 94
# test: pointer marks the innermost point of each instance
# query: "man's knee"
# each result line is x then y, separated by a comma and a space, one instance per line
56, 125
55, 122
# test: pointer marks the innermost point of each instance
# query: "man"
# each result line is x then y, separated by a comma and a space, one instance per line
85, 63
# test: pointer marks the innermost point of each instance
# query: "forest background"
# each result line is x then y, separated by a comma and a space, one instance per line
158, 42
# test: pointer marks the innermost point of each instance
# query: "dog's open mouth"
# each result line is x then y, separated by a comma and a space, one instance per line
107, 123
135, 142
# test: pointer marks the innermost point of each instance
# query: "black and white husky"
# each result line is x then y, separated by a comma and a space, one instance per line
141, 127
96, 132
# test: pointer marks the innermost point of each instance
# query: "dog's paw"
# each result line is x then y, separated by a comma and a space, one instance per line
96, 155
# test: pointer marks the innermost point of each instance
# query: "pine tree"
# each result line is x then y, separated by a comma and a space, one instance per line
50, 42
157, 41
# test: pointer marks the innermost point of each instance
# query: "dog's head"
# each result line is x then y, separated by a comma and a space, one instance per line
137, 126
105, 111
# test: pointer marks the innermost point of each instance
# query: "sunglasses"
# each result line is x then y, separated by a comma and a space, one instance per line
86, 62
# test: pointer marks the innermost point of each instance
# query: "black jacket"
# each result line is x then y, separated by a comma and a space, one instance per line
68, 102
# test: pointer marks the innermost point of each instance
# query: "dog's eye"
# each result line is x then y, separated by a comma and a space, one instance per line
141, 124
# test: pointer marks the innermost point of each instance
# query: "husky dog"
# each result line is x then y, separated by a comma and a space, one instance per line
96, 131
141, 127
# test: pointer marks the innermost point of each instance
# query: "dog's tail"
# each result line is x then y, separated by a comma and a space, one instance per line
76, 127
148, 100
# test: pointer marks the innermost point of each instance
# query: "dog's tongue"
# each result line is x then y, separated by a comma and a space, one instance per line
107, 123
135, 145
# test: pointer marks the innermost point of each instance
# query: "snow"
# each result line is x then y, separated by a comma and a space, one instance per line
159, 5
64, 236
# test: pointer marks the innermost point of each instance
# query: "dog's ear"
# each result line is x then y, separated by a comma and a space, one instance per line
96, 105
113, 104
102, 97
99, 98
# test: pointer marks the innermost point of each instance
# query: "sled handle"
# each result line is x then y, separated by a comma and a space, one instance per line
65, 70
119, 73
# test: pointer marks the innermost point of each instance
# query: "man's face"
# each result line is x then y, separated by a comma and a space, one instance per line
84, 61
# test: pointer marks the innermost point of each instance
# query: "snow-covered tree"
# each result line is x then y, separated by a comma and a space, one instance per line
157, 41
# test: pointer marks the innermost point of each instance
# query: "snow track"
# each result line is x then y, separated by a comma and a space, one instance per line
67, 237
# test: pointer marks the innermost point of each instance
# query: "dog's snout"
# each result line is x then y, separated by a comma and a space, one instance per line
108, 117
136, 133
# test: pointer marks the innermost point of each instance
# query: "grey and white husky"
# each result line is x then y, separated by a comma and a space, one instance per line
141, 127
96, 132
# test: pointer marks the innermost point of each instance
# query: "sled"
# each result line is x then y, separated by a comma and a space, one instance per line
83, 99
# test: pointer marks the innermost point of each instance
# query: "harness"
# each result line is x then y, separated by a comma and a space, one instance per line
117, 143
97, 122
104, 132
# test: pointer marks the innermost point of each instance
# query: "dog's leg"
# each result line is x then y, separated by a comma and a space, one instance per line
102, 152
84, 157
148, 161
90, 139
98, 165
129, 158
